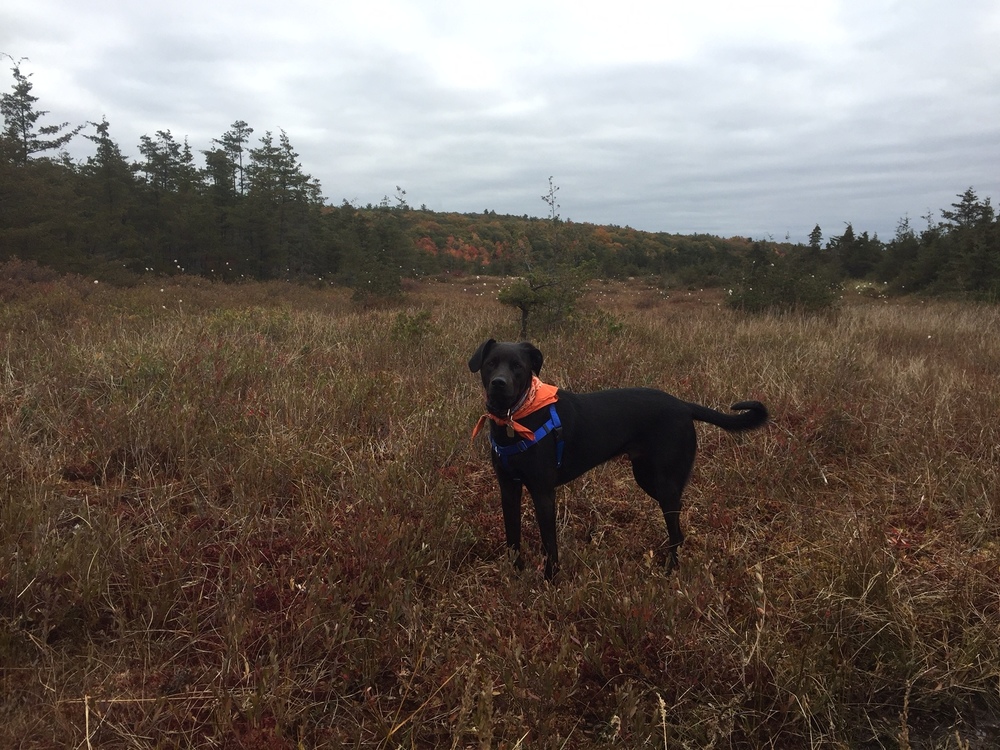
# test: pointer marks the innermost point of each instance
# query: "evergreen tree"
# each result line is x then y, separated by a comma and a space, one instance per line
23, 136
109, 189
550, 283
968, 213
109, 169
226, 179
283, 203
783, 282
40, 214
900, 255
368, 250
225, 165
856, 256
815, 239
167, 165
971, 243
174, 219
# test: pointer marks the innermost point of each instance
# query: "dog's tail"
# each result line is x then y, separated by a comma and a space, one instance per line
752, 415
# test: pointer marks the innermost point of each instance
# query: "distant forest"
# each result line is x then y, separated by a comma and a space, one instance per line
242, 207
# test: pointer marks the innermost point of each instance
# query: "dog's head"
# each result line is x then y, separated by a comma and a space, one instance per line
506, 370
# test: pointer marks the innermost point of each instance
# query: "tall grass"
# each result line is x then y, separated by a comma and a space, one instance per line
251, 517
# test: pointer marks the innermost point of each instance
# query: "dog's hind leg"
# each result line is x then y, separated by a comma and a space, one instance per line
664, 485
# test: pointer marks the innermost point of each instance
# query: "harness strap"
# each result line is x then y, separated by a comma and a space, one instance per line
552, 425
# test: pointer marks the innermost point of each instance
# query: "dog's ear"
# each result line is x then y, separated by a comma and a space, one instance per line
534, 356
477, 359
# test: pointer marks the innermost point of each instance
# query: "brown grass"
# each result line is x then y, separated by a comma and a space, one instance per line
251, 517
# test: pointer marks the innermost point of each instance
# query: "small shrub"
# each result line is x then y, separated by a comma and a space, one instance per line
413, 327
781, 283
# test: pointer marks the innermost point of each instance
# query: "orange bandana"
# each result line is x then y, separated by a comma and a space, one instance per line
539, 395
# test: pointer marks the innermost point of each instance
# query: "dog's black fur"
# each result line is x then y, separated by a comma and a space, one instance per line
654, 429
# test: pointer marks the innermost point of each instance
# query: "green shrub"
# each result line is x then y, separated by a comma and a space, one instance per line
782, 283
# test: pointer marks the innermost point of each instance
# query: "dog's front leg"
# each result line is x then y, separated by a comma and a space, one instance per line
510, 500
545, 514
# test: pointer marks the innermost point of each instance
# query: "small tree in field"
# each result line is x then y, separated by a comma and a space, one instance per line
544, 297
548, 291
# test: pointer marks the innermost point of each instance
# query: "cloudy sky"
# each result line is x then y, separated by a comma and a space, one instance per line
732, 118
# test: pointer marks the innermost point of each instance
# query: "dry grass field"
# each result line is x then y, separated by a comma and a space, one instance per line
252, 517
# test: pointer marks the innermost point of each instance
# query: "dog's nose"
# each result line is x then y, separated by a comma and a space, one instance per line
498, 383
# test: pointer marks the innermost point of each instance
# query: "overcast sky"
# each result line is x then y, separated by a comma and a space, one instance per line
732, 118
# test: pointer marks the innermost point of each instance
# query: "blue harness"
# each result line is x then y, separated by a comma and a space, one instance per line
552, 425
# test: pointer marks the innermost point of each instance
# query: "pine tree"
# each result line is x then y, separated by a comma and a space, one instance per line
23, 136
283, 204
550, 285
227, 163
815, 240
109, 187
168, 165
109, 168
970, 237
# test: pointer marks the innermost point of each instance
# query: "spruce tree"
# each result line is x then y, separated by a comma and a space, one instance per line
23, 136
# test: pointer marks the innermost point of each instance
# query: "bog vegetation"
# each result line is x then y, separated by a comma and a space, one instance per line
250, 516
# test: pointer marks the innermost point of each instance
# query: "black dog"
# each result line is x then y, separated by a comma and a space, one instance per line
542, 448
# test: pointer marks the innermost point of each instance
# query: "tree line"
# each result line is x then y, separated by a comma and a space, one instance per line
245, 208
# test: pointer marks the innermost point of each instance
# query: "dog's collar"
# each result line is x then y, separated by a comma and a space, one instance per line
538, 396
